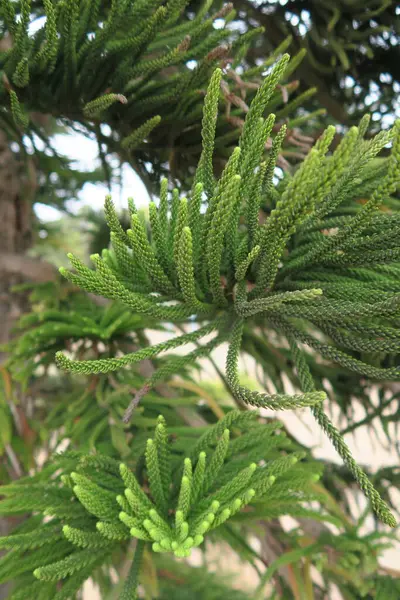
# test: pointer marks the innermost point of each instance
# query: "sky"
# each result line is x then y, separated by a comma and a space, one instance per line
84, 153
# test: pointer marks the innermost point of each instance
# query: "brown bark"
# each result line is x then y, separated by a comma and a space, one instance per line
16, 188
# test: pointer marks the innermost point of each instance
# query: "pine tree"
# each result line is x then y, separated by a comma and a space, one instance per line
131, 78
296, 268
125, 65
96, 504
238, 279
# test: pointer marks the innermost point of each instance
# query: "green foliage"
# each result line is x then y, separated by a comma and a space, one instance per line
185, 583
295, 266
126, 65
355, 569
349, 46
93, 504
306, 277
42, 332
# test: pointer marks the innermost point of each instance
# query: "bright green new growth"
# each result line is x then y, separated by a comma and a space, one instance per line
313, 266
89, 507
196, 510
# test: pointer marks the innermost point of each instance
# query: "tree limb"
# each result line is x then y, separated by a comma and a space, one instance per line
305, 72
26, 267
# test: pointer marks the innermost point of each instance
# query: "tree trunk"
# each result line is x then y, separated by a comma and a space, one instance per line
17, 185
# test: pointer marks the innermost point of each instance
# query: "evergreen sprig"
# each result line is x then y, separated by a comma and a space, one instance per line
124, 65
88, 507
294, 272
43, 332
